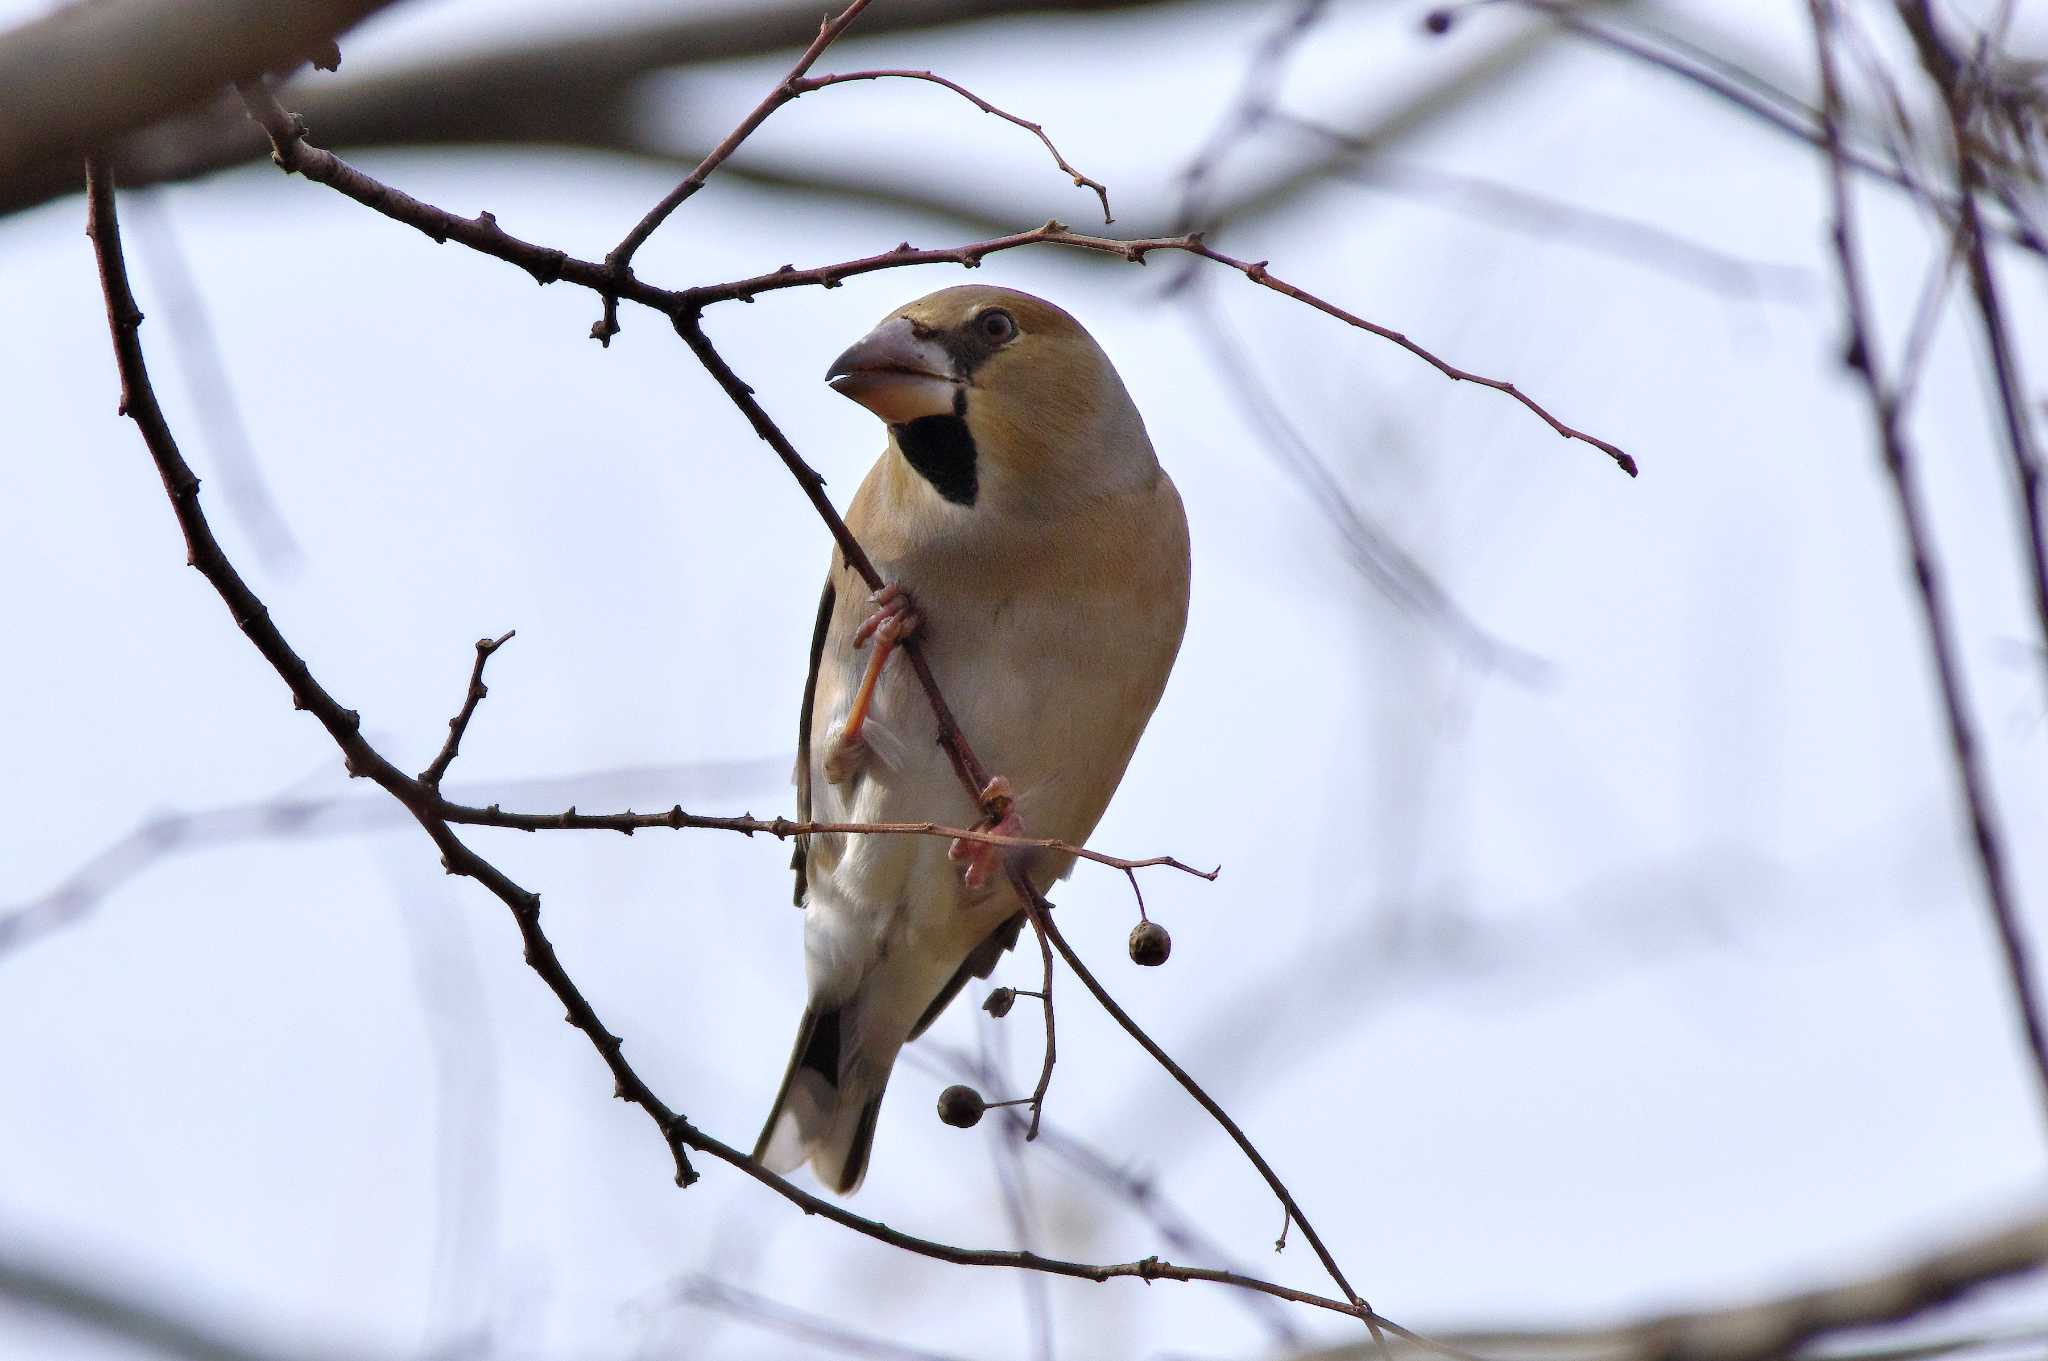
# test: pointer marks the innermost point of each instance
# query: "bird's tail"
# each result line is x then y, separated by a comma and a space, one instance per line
825, 1113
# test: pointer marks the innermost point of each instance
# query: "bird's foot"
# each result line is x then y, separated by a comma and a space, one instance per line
980, 861
895, 618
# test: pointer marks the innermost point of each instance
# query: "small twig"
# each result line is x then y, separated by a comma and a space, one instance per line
1035, 909
1081, 181
619, 261
458, 725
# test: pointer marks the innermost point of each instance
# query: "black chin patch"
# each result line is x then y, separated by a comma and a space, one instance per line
942, 451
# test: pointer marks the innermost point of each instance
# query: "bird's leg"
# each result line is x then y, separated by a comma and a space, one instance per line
895, 618
981, 860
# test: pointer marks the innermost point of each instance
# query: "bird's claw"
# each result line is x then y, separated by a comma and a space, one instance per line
980, 860
895, 617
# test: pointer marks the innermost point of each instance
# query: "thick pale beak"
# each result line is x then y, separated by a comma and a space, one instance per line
896, 375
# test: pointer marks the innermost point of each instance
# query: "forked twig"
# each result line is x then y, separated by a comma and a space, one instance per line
684, 307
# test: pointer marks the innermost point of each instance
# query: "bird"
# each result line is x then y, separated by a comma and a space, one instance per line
1031, 543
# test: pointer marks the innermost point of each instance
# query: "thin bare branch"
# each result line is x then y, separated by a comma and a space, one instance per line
482, 233
1136, 251
1036, 911
1081, 181
1902, 474
675, 819
619, 261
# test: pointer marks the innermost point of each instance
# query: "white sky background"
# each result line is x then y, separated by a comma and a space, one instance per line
1659, 982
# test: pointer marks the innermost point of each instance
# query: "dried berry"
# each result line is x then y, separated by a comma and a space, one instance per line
961, 1106
1150, 945
999, 1002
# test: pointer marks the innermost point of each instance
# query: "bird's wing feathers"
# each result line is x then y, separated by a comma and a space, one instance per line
978, 964
799, 860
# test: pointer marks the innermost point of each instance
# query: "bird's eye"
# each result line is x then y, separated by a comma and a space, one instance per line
996, 325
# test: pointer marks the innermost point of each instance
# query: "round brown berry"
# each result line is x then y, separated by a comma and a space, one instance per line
1150, 945
961, 1106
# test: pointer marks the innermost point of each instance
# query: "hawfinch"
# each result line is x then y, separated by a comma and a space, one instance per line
1040, 554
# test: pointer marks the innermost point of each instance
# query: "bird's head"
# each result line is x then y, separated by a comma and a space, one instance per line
994, 395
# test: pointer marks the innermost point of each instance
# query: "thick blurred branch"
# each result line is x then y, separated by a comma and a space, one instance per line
84, 1299
1778, 1327
575, 88
89, 72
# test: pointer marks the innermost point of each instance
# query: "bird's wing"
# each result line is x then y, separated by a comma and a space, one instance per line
800, 859
980, 963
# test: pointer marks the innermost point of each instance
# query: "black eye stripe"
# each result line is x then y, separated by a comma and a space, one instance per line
969, 345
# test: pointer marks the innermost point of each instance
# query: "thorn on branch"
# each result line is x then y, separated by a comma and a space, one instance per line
605, 327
